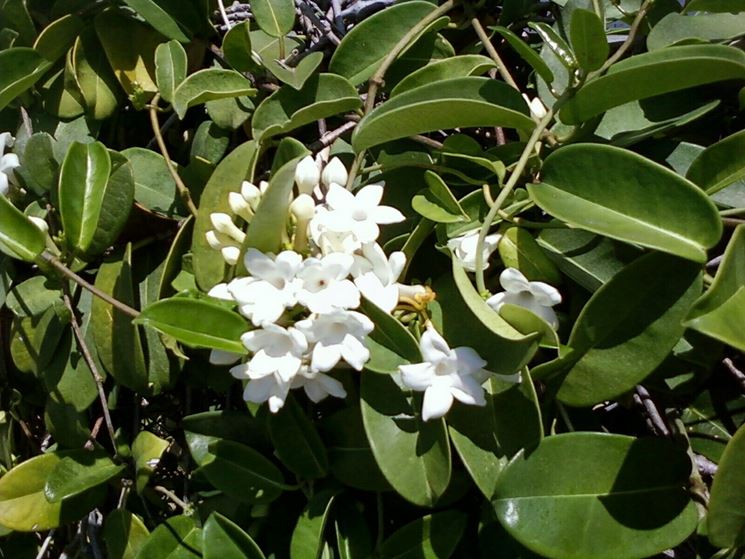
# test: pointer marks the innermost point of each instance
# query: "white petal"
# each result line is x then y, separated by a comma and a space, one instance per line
433, 346
497, 300
397, 264
369, 196
418, 376
366, 231
303, 208
331, 386
325, 357
347, 296
240, 371
468, 360
384, 297
354, 352
513, 280
231, 255
545, 294
334, 173
339, 198
437, 402
470, 392
221, 291
218, 357
259, 265
258, 391
387, 214
307, 175
4, 186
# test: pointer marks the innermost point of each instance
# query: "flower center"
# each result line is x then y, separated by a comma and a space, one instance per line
359, 214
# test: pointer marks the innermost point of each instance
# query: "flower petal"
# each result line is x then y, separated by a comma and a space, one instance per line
514, 281
354, 352
418, 376
433, 346
468, 360
386, 214
437, 402
545, 294
339, 198
369, 196
325, 357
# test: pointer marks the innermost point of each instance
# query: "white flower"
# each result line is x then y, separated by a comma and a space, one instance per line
318, 385
337, 335
271, 389
219, 357
536, 296
327, 240
220, 291
324, 284
376, 276
537, 108
226, 237
272, 287
445, 374
334, 173
303, 209
8, 162
307, 175
464, 248
359, 213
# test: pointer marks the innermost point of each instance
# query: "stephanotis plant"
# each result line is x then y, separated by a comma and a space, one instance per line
351, 279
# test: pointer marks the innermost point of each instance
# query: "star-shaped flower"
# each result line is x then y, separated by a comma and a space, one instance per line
464, 248
536, 296
8, 162
337, 335
325, 286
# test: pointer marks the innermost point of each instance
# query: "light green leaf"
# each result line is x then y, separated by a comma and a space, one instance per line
638, 201
307, 537
124, 534
726, 519
175, 538
224, 539
580, 495
78, 472
675, 28
146, 450
94, 76
296, 441
236, 47
457, 66
155, 188
33, 296
518, 249
437, 203
22, 67
208, 85
719, 165
321, 96
159, 18
297, 76
587, 35
19, 237
170, 68
57, 37
654, 73
38, 166
432, 537
452, 103
275, 17
526, 53
720, 311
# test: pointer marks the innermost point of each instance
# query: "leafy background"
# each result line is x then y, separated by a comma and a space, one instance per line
133, 121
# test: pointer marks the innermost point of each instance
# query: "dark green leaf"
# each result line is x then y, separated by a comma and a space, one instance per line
170, 68
124, 534
33, 296
275, 17
202, 429
307, 537
208, 85
38, 166
224, 539
431, 537
94, 76
726, 519
587, 35
155, 188
236, 46
676, 28
54, 40
146, 450
22, 67
526, 53
78, 472
719, 165
457, 66
175, 538
152, 12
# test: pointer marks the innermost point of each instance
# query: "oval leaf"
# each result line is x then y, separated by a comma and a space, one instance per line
22, 67
224, 539
719, 165
170, 68
431, 537
77, 472
726, 519
587, 35
456, 66
275, 17
160, 19
208, 85
124, 534
19, 237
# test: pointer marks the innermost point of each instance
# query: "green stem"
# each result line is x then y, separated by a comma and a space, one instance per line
732, 211
640, 15
501, 66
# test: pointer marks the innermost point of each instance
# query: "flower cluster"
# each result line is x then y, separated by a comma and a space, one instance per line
8, 162
303, 300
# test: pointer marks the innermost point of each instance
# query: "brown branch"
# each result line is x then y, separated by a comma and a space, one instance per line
736, 373
501, 66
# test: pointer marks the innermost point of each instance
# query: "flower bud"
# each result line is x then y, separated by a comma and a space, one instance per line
251, 194
335, 173
223, 223
303, 207
40, 223
230, 255
239, 206
307, 175
537, 108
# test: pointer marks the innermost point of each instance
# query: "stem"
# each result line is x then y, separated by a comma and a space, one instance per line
182, 189
640, 15
564, 416
381, 523
67, 272
186, 507
97, 378
732, 211
501, 66
224, 15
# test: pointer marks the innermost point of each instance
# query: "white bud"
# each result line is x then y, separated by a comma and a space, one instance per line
263, 185
239, 206
303, 207
220, 291
335, 173
212, 240
230, 255
307, 175
537, 108
250, 194
223, 223
40, 223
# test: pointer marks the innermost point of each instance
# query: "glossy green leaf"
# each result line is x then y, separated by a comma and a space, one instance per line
720, 311
208, 85
587, 35
38, 166
208, 264
23, 506
413, 455
437, 203
175, 538
116, 205
432, 537
719, 165
155, 188
486, 437
321, 96
224, 539
676, 28
94, 76
654, 73
275, 17
124, 534
19, 237
390, 343
33, 296
353, 538
296, 441
203, 429
297, 76
78, 472
725, 522
370, 41
555, 43
518, 249
242, 473
307, 537
154, 13
217, 328
452, 103
526, 53
628, 327
57, 37
22, 67
580, 495
230, 114
638, 201
457, 66
146, 450
170, 68
236, 47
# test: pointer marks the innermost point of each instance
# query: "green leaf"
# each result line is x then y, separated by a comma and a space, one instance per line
19, 237
22, 67
390, 343
230, 114
455, 67
628, 327
38, 166
57, 37
638, 201
452, 103
296, 441
275, 17
720, 311
203, 429
208, 85
363, 49
321, 96
242, 473
353, 539
124, 534
155, 188
654, 73
224, 539
175, 538
208, 263
526, 53
432, 537
146, 450
297, 76
23, 506
115, 205
307, 537
217, 328
236, 47
438, 203
413, 455
555, 44
159, 18
33, 296
518, 249
580, 495
486, 437
78, 472
94, 76
675, 28
170, 68
719, 165
587, 35
725, 521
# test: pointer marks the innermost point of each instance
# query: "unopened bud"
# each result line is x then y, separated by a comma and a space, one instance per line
220, 291
303, 207
537, 108
230, 255
251, 194
223, 223
263, 185
239, 206
334, 173
307, 175
40, 223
